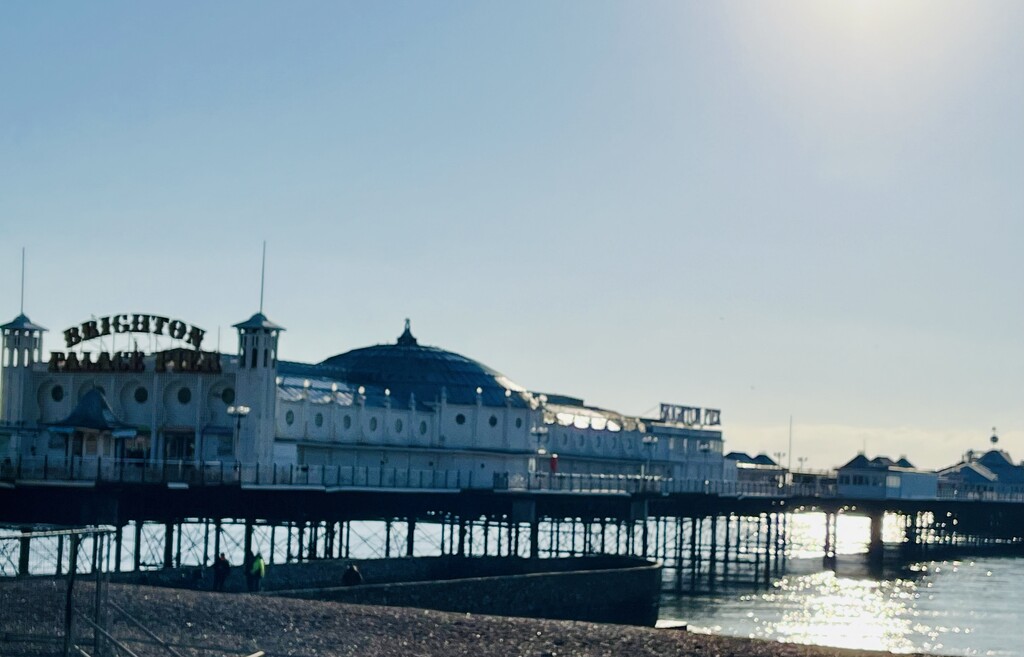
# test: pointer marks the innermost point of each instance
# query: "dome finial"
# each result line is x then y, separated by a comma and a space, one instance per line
407, 339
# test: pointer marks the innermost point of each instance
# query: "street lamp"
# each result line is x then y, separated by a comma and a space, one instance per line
238, 412
649, 442
538, 434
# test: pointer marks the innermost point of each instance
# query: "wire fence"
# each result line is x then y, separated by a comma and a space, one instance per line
63, 615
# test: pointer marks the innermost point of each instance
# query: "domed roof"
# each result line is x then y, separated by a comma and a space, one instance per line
408, 368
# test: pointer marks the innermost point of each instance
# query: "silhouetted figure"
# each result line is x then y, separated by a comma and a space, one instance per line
351, 576
221, 570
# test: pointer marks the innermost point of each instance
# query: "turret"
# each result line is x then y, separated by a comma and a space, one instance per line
22, 348
256, 387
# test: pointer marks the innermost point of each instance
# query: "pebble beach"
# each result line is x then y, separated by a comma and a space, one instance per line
204, 623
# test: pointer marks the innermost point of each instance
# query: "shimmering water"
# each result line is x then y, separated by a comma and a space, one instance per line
969, 607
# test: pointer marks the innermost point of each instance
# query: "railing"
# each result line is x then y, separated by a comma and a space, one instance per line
92, 470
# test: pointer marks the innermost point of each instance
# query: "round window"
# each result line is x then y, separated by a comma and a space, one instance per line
228, 396
319, 419
373, 424
423, 428
493, 421
460, 419
57, 393
398, 426
141, 395
184, 395
289, 417
347, 421
519, 423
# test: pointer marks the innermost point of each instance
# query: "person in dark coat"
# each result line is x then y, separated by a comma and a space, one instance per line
221, 570
351, 576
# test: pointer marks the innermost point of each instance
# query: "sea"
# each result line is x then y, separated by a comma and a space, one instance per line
971, 606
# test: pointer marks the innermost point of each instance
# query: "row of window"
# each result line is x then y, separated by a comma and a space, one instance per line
318, 420
142, 394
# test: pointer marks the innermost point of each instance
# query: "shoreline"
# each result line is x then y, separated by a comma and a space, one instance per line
205, 623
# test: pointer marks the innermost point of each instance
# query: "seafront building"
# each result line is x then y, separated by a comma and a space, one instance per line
143, 388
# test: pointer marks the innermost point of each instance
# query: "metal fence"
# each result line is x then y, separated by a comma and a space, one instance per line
35, 470
63, 615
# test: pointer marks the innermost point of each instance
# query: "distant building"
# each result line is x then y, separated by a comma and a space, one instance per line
990, 474
882, 478
758, 469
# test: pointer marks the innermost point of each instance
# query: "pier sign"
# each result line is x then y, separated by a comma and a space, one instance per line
180, 359
691, 415
135, 323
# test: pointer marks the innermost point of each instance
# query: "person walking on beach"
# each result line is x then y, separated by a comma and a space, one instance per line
221, 570
257, 571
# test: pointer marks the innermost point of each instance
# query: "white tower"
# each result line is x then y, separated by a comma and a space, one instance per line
22, 348
256, 387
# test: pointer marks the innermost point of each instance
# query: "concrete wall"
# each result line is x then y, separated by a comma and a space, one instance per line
598, 589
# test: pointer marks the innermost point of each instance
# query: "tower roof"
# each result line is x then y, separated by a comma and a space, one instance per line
23, 323
259, 321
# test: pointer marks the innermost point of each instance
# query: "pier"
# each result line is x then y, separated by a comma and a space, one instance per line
705, 534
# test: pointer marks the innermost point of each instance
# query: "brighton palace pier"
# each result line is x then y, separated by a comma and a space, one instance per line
131, 421
142, 390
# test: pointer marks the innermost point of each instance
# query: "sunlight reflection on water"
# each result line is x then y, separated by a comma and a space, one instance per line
972, 607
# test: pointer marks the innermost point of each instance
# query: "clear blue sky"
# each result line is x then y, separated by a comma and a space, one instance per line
795, 208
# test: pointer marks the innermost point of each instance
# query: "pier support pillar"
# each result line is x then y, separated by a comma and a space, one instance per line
23, 553
168, 545
410, 536
875, 543
462, 537
829, 560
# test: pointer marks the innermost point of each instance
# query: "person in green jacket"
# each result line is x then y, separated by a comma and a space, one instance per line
257, 571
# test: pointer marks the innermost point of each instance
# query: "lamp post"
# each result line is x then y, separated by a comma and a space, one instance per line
238, 412
538, 433
705, 448
649, 443
778, 461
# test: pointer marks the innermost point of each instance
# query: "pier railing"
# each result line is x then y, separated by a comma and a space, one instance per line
86, 471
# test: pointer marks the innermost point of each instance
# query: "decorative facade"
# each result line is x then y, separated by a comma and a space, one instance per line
393, 408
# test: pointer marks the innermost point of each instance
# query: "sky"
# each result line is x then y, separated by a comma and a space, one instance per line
807, 210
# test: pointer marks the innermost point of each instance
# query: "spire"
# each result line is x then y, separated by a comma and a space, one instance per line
407, 339
263, 272
22, 310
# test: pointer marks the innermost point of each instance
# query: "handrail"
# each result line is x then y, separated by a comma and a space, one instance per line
94, 470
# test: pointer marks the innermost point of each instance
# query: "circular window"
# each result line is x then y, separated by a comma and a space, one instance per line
460, 419
141, 395
184, 395
289, 417
228, 396
319, 419
398, 426
519, 423
347, 421
493, 421
423, 428
57, 393
373, 424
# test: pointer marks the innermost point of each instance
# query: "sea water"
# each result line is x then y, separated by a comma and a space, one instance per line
974, 606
